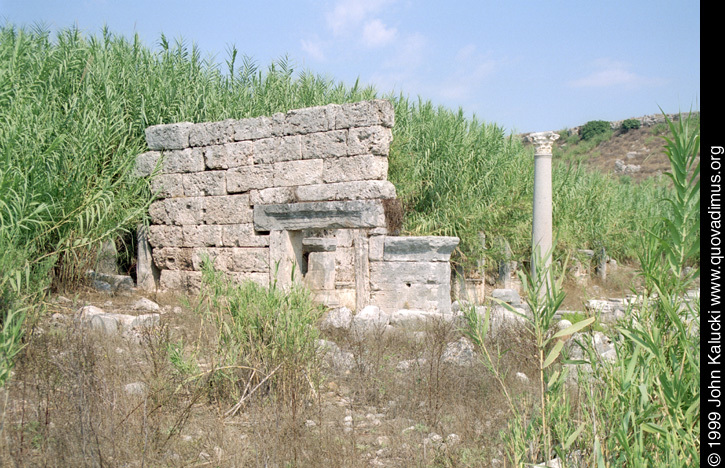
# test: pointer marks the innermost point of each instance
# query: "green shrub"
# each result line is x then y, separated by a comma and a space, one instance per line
593, 128
269, 331
630, 124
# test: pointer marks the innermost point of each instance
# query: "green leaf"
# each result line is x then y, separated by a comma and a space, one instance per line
553, 354
575, 327
653, 428
570, 440
552, 380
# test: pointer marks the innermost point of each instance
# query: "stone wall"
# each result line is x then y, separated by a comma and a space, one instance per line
291, 197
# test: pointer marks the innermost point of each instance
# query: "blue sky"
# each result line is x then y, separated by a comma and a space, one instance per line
525, 65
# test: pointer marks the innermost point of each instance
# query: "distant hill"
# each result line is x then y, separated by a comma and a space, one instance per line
636, 153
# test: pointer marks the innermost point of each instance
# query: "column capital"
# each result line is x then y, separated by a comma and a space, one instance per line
543, 141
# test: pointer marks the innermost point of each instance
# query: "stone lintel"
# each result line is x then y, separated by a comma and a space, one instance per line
419, 249
319, 215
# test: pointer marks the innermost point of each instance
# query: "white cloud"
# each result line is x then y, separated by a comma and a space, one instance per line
314, 48
611, 73
349, 14
376, 34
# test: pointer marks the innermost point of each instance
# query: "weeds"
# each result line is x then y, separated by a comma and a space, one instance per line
267, 330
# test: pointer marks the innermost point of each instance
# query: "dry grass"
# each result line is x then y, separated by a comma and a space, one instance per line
68, 403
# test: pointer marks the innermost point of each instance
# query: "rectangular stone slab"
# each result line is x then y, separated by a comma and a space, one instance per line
419, 249
319, 215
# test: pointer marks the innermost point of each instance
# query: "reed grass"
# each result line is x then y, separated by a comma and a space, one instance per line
73, 110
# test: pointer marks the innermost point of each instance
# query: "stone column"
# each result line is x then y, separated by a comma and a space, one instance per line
541, 239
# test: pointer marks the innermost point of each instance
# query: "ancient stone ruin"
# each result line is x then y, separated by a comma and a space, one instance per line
292, 197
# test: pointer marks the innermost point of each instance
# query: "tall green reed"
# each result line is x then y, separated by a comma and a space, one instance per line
73, 110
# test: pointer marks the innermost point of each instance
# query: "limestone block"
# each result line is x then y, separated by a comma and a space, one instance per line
356, 190
325, 145
229, 209
510, 296
249, 260
185, 160
232, 259
320, 271
192, 280
165, 236
344, 237
259, 127
386, 112
411, 318
229, 155
168, 136
345, 276
242, 235
172, 258
146, 163
419, 249
261, 278
218, 257
357, 114
345, 296
345, 270
320, 215
178, 280
416, 296
291, 173
319, 244
362, 167
392, 275
285, 257
167, 185
202, 236
362, 270
211, 133
173, 280
310, 120
146, 273
336, 319
177, 211
116, 282
245, 178
369, 140
270, 150
369, 319
205, 183
272, 196
376, 244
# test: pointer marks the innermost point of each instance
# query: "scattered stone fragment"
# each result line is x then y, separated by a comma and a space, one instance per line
370, 319
117, 282
521, 377
145, 304
135, 388
510, 296
339, 318
337, 359
404, 366
434, 440
460, 353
